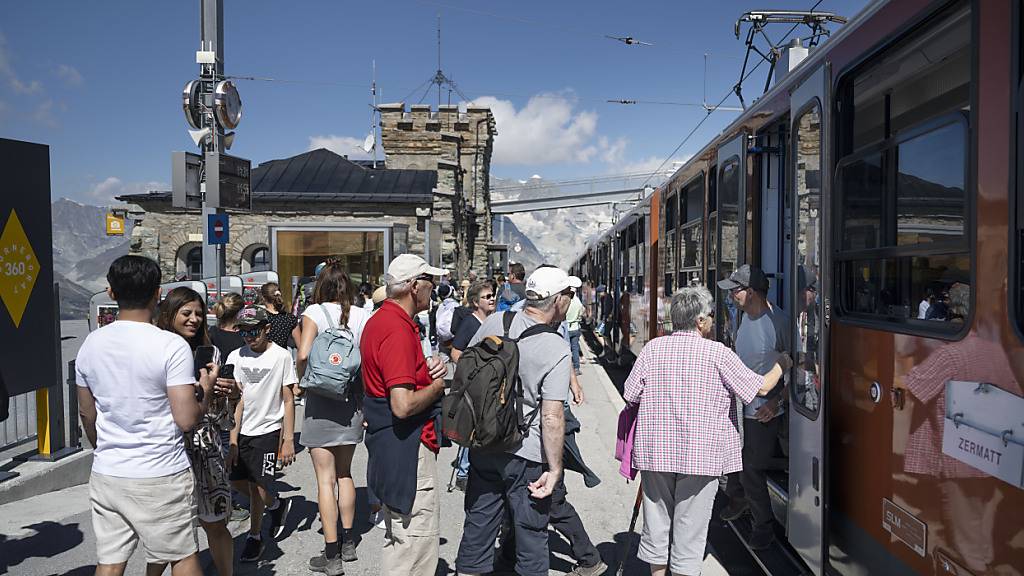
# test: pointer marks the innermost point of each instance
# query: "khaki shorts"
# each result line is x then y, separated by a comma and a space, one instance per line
411, 542
677, 512
161, 512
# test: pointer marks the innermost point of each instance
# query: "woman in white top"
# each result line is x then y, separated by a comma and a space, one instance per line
332, 428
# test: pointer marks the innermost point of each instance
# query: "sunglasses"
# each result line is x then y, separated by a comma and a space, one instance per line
487, 297
427, 279
737, 289
251, 332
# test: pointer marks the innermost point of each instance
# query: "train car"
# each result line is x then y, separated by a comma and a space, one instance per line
878, 184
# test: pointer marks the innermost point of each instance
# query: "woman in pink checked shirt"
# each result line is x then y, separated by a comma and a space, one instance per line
686, 431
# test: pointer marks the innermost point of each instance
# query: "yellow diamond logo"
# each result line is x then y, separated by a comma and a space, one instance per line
18, 268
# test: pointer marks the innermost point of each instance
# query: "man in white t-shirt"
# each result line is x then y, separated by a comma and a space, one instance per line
137, 393
264, 424
761, 339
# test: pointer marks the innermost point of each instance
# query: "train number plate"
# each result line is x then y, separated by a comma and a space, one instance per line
904, 526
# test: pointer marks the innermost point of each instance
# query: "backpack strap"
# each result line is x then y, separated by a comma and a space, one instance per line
534, 330
330, 321
506, 319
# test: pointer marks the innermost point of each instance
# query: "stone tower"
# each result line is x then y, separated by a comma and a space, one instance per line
458, 145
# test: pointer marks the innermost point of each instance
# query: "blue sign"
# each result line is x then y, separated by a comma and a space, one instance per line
217, 230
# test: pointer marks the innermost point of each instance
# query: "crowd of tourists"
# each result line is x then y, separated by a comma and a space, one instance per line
188, 420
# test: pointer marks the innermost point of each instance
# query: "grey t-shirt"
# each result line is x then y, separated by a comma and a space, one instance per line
758, 346
544, 367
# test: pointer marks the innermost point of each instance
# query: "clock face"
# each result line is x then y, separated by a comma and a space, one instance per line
191, 104
227, 105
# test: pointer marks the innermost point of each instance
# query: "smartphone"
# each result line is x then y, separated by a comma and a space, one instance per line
205, 355
227, 372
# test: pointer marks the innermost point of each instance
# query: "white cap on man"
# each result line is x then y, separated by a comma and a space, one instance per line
548, 281
409, 266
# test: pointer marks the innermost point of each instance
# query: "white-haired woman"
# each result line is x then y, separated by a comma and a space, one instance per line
686, 430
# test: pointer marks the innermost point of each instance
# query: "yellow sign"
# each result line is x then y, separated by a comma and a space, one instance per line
115, 225
18, 268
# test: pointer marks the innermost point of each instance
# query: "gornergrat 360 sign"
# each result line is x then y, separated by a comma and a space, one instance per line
28, 334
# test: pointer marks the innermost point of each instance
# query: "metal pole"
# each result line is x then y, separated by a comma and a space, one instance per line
211, 29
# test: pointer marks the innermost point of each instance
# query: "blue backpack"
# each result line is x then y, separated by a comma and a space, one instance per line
333, 367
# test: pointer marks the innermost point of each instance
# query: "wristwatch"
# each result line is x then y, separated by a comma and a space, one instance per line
200, 394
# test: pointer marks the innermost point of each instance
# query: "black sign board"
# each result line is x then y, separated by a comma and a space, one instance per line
227, 182
29, 354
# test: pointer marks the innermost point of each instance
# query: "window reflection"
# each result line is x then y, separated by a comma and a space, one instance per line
299, 251
930, 197
807, 384
862, 185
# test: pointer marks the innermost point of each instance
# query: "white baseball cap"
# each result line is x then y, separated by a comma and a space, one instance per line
547, 281
409, 266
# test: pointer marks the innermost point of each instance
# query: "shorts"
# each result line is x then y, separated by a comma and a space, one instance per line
204, 446
257, 458
159, 512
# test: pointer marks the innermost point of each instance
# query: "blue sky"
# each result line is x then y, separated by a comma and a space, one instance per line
100, 82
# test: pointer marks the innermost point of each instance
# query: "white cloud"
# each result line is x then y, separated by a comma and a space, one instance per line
549, 130
7, 70
103, 193
69, 74
43, 113
344, 145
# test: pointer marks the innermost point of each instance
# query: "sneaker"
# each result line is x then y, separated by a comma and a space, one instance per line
461, 482
278, 516
761, 538
239, 514
252, 550
736, 508
331, 567
595, 570
348, 551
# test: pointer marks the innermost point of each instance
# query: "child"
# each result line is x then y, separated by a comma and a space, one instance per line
264, 424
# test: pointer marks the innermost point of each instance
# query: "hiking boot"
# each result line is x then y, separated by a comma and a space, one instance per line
595, 570
761, 538
278, 516
736, 508
330, 566
252, 550
348, 551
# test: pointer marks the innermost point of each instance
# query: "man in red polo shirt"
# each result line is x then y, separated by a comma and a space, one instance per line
401, 408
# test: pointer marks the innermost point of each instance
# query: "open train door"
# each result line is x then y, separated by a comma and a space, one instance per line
809, 297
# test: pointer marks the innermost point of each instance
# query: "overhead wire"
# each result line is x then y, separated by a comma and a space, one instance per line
716, 106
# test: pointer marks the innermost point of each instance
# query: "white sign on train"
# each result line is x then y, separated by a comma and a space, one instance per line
982, 429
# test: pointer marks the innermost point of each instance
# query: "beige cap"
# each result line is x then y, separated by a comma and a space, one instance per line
379, 295
409, 266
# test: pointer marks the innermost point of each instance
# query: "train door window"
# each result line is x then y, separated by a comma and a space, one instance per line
671, 203
728, 215
903, 203
691, 232
641, 263
712, 225
807, 179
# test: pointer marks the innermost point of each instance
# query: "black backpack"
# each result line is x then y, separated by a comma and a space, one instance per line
484, 408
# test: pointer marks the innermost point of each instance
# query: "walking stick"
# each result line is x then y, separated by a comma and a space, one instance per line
628, 545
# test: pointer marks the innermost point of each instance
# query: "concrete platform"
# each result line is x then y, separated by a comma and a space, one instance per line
52, 533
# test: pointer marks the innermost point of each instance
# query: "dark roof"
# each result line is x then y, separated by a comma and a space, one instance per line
322, 175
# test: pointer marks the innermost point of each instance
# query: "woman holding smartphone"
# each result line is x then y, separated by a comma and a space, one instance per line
184, 313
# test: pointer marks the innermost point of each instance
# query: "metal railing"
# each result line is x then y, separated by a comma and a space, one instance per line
20, 426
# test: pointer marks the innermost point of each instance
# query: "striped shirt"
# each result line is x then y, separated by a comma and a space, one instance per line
685, 384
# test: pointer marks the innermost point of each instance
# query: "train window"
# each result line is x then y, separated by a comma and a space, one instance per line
861, 181
930, 199
904, 253
806, 389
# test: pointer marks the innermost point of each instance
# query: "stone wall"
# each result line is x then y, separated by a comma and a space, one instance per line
171, 233
458, 145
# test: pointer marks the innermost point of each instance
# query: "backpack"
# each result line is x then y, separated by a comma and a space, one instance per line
333, 367
443, 319
484, 408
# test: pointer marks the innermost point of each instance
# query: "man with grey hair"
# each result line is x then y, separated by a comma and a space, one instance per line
525, 475
762, 334
686, 431
401, 408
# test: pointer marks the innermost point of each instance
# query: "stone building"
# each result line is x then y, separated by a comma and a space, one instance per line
432, 199
458, 145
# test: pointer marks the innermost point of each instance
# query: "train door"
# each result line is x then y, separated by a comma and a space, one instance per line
732, 227
805, 516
